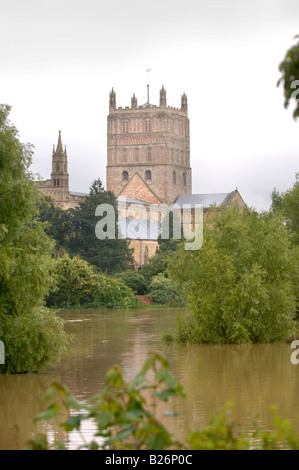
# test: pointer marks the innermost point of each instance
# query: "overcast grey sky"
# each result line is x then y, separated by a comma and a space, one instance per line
60, 59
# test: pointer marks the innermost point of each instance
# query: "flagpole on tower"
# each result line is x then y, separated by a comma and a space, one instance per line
148, 71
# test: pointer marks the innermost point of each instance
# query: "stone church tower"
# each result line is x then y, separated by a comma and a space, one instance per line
58, 186
148, 150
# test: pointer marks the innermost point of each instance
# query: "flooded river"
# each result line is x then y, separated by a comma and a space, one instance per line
252, 377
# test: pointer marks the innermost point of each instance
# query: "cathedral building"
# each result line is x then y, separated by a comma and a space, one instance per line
148, 169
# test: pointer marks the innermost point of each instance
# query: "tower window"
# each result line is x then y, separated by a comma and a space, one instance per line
57, 167
149, 154
125, 127
174, 177
125, 176
148, 127
148, 175
184, 179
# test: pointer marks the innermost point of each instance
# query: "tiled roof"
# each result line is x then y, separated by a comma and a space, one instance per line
206, 200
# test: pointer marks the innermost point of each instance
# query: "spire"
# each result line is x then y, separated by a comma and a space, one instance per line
59, 148
59, 175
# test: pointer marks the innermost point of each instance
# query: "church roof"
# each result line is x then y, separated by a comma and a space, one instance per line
135, 229
206, 200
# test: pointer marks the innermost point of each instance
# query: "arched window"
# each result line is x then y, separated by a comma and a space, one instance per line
54, 182
149, 154
174, 177
145, 255
184, 179
148, 126
57, 167
57, 182
125, 176
125, 127
148, 175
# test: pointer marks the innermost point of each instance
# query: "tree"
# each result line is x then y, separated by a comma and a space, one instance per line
109, 255
240, 284
57, 221
289, 69
166, 240
288, 204
33, 336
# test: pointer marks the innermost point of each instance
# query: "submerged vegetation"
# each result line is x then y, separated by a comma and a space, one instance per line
241, 285
79, 285
125, 417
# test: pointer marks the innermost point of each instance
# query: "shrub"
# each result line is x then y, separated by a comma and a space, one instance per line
33, 341
79, 285
135, 280
164, 291
240, 284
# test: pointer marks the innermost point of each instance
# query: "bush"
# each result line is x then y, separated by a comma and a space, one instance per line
164, 291
33, 341
240, 284
79, 285
135, 280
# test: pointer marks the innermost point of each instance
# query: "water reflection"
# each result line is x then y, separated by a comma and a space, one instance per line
252, 377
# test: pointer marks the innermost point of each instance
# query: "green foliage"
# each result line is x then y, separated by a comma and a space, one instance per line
164, 291
166, 241
123, 416
240, 284
33, 341
109, 255
79, 285
289, 69
25, 260
156, 265
135, 280
224, 434
57, 221
124, 413
288, 204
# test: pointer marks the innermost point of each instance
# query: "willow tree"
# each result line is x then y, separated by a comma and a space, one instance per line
240, 284
33, 336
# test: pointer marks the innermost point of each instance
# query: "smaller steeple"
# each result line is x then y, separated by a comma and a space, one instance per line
163, 97
59, 175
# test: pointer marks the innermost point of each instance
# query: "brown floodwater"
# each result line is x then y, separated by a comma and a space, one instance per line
252, 377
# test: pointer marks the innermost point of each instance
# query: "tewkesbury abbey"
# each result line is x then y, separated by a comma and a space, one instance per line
148, 163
